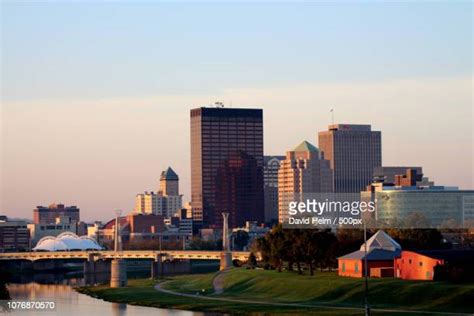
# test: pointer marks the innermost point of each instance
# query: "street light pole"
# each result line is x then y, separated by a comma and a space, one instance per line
366, 292
117, 230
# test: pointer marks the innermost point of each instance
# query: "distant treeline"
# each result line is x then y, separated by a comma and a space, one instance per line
313, 248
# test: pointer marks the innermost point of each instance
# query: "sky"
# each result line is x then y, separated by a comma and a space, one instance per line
95, 97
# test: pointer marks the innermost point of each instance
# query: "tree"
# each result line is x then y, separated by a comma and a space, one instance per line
4, 294
417, 238
200, 244
252, 261
241, 239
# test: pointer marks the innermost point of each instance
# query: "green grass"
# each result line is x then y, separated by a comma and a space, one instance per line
328, 288
142, 292
289, 287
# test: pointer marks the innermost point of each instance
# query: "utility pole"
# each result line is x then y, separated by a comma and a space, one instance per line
117, 242
366, 292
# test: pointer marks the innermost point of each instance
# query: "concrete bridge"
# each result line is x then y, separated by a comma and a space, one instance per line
115, 262
125, 254
103, 261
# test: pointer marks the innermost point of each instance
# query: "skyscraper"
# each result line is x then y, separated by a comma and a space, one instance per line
354, 151
166, 201
226, 165
304, 171
169, 183
271, 164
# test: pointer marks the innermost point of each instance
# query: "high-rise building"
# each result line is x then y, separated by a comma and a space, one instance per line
227, 165
169, 183
48, 215
271, 164
354, 151
304, 171
14, 235
166, 202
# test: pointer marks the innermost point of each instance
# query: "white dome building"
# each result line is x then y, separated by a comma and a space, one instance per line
66, 241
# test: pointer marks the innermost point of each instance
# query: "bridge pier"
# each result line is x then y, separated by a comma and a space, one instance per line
157, 267
118, 273
226, 260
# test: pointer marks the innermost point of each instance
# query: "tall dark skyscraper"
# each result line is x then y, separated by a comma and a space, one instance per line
354, 151
227, 165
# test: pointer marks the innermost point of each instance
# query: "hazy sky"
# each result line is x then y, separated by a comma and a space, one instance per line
96, 97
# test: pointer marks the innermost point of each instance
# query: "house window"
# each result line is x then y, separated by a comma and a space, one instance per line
421, 263
428, 275
343, 267
409, 261
356, 267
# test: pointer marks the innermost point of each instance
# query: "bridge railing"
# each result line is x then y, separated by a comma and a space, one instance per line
126, 254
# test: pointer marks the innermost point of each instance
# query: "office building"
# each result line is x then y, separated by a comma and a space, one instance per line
169, 183
48, 215
143, 231
353, 151
60, 225
166, 201
304, 171
226, 166
386, 174
271, 164
14, 235
414, 201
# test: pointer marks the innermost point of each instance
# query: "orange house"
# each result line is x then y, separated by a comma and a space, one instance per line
416, 266
420, 265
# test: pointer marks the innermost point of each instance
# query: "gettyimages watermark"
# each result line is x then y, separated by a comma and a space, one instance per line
351, 210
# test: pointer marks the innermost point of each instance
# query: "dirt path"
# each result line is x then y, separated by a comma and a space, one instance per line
218, 282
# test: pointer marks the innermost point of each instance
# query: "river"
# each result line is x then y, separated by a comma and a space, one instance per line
58, 288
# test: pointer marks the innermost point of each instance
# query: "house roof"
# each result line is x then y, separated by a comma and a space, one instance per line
169, 174
306, 146
381, 240
374, 254
123, 220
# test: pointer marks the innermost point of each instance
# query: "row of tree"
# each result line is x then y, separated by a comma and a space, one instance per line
314, 248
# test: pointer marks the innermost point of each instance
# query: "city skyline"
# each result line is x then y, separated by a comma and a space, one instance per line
86, 129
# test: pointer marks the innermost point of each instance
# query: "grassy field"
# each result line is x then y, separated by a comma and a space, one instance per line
288, 287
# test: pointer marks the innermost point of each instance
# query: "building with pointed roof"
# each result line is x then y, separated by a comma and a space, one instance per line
306, 146
166, 201
169, 183
303, 171
381, 240
382, 250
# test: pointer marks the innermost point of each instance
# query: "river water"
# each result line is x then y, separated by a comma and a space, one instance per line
58, 288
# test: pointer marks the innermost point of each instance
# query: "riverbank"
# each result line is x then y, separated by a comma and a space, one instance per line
260, 291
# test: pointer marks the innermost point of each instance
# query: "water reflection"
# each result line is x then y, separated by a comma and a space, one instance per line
69, 302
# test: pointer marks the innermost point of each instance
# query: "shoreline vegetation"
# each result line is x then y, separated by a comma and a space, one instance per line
249, 291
